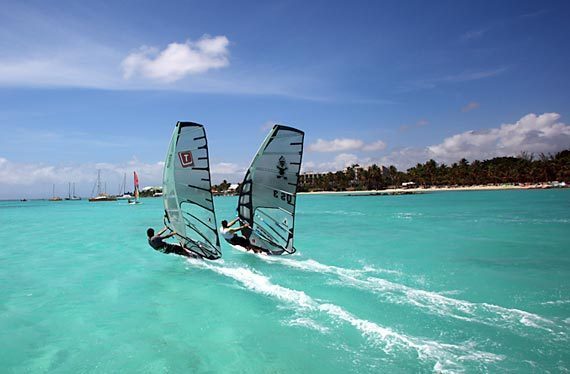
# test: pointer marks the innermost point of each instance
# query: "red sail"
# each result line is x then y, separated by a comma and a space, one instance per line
136, 185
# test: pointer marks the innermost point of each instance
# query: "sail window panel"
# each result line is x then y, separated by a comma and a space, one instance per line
270, 188
187, 191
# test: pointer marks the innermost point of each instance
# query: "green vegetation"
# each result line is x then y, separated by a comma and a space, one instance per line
526, 168
222, 187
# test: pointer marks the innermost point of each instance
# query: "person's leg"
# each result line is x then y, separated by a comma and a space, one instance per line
176, 249
242, 241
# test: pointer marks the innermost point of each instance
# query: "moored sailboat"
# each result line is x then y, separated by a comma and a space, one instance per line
124, 196
101, 196
53, 197
74, 196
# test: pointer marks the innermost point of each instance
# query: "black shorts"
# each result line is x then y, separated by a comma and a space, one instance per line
240, 240
178, 250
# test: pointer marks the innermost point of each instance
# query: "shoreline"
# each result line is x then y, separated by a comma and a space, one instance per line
411, 191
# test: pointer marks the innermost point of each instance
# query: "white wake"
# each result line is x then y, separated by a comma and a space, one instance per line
445, 355
433, 302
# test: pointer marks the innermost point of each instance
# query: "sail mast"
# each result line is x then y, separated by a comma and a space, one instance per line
98, 182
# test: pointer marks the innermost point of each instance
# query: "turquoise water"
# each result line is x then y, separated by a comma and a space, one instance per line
450, 281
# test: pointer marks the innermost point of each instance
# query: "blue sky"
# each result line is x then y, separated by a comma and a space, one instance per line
88, 85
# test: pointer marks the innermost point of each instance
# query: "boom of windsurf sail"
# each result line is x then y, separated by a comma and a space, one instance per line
187, 194
268, 193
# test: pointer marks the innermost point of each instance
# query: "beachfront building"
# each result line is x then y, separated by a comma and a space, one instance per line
233, 188
309, 178
151, 191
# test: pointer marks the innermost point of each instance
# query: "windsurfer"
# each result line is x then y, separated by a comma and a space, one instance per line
157, 242
231, 235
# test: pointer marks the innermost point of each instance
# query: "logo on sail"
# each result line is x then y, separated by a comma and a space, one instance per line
186, 159
282, 167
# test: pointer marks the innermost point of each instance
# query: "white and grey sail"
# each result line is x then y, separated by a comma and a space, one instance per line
269, 190
187, 195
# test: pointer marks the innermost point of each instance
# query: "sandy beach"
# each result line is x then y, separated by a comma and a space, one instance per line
396, 191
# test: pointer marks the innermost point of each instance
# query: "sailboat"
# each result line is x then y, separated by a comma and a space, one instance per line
268, 193
68, 191
74, 196
136, 182
53, 197
101, 196
124, 196
187, 191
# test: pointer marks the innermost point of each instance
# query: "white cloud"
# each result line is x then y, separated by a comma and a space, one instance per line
340, 162
466, 76
345, 144
532, 133
335, 145
226, 168
470, 106
36, 179
376, 146
178, 59
404, 158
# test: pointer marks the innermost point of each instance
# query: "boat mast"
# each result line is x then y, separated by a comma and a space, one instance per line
99, 182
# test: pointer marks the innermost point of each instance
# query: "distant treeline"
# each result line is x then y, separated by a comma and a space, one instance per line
526, 168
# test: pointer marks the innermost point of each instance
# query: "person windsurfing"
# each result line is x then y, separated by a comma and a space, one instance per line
157, 243
231, 236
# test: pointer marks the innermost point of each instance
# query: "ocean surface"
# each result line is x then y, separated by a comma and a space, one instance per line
439, 282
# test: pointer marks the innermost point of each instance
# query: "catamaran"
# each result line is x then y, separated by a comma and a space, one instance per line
136, 184
187, 191
269, 190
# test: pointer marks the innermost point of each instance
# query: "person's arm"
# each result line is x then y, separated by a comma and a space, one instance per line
233, 222
169, 235
233, 231
162, 231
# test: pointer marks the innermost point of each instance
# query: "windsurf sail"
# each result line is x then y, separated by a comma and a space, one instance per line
136, 182
269, 191
187, 195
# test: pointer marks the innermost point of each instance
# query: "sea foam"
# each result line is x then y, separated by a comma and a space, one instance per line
432, 302
386, 339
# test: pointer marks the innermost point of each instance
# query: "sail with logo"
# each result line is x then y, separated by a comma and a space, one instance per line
187, 195
268, 193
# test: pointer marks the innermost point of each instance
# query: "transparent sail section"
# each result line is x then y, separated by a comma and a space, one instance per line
268, 193
187, 195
